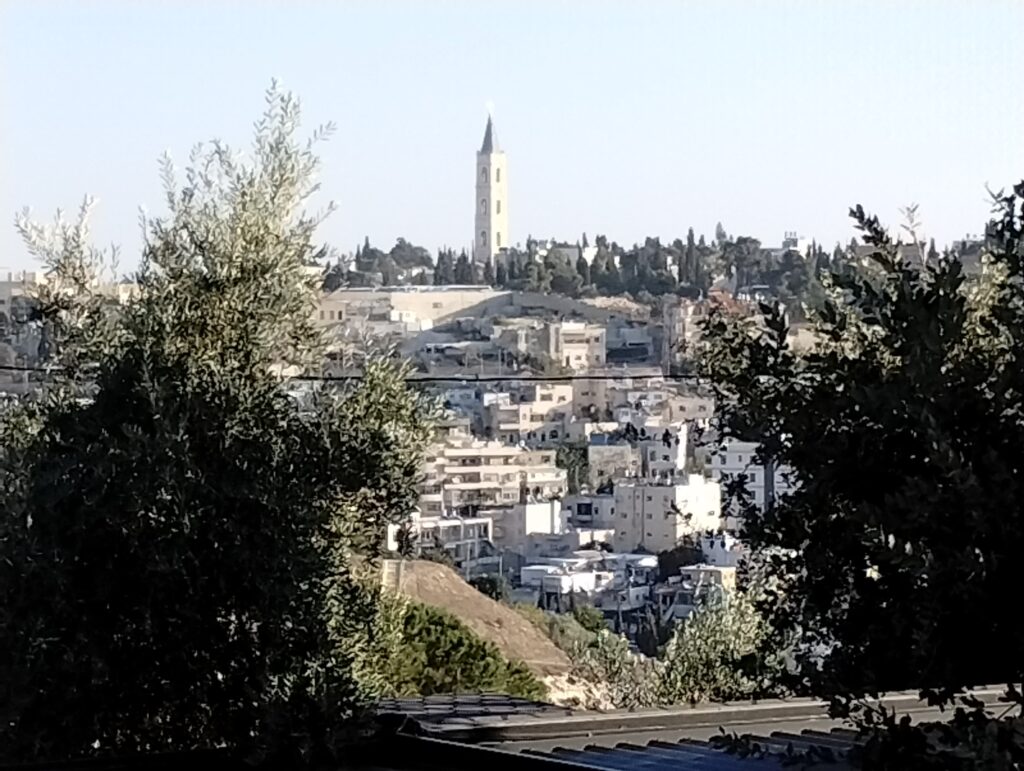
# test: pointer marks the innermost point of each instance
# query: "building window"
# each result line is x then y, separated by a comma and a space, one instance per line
498, 236
321, 315
483, 206
497, 175
650, 516
437, 305
483, 238
498, 205
554, 434
483, 174
332, 315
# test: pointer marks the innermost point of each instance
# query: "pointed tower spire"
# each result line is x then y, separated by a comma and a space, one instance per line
490, 143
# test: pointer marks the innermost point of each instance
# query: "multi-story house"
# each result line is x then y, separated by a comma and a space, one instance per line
655, 514
735, 459
575, 345
536, 414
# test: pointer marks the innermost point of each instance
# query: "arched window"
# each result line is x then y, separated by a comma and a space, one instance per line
498, 236
483, 206
483, 238
483, 174
497, 175
497, 204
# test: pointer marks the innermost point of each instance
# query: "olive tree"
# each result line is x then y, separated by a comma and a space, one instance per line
179, 534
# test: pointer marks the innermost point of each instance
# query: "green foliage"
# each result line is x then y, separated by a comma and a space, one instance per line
632, 680
715, 655
563, 630
590, 618
573, 458
686, 552
175, 549
495, 587
902, 427
463, 270
440, 654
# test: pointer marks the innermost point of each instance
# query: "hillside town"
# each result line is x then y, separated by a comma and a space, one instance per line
656, 425
575, 448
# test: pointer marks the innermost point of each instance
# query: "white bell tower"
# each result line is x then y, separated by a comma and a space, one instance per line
491, 221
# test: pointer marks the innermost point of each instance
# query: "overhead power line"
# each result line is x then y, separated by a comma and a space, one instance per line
457, 378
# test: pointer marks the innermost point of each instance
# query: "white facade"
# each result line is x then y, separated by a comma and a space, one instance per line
590, 511
491, 233
723, 550
576, 345
656, 515
513, 525
694, 585
468, 474
466, 539
664, 454
415, 307
535, 415
740, 458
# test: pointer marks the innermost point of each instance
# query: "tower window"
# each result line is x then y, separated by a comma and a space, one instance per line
498, 236
483, 175
483, 206
497, 175
483, 238
498, 204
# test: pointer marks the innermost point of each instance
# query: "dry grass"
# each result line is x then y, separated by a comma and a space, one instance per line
516, 637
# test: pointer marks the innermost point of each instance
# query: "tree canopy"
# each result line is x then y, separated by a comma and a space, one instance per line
176, 547
901, 543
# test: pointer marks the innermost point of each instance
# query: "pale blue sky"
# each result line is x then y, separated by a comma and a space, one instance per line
628, 118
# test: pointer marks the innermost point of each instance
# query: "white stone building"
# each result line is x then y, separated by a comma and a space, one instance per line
536, 414
466, 475
576, 345
737, 458
467, 540
655, 515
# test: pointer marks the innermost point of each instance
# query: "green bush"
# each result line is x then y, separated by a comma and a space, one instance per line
590, 618
437, 653
495, 587
563, 630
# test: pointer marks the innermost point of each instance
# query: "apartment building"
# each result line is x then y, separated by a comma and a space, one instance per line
736, 458
605, 388
515, 525
534, 414
467, 540
463, 475
694, 585
609, 458
655, 514
575, 344
591, 510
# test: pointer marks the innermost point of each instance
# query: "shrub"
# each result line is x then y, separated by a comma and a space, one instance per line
563, 630
715, 655
590, 618
437, 653
495, 587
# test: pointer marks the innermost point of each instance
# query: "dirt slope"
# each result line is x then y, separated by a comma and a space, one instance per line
440, 586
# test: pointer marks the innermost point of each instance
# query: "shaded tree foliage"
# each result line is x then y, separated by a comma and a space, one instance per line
903, 426
175, 548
